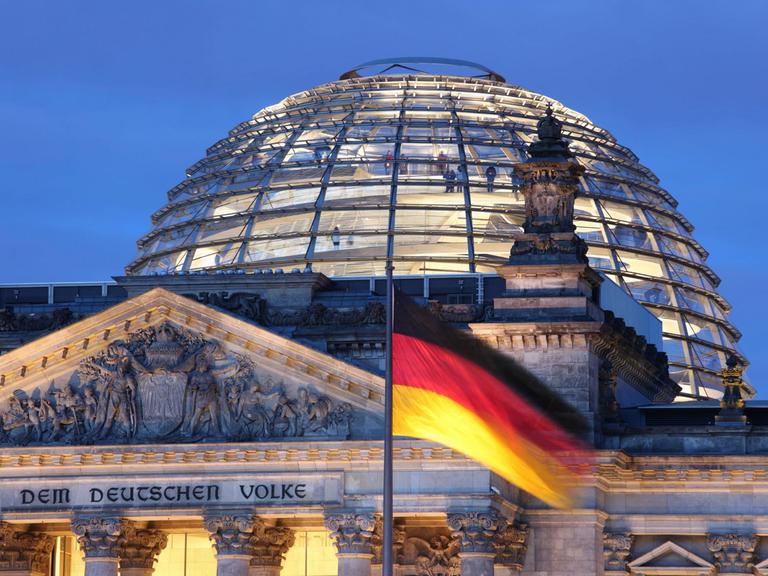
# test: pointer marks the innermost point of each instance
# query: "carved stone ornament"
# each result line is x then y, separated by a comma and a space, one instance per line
433, 554
142, 549
168, 384
257, 309
511, 543
616, 549
231, 534
476, 531
352, 532
102, 537
24, 551
733, 553
269, 545
377, 540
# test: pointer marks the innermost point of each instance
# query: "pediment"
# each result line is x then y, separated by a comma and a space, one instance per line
762, 567
163, 368
671, 559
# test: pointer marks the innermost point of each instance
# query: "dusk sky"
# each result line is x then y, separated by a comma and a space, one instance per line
103, 105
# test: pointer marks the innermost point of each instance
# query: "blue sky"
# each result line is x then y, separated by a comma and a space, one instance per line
104, 104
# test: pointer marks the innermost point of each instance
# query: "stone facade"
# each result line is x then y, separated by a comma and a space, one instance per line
251, 413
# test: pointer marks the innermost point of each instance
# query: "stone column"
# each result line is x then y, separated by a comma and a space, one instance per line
101, 540
24, 553
268, 547
231, 536
476, 532
140, 552
352, 533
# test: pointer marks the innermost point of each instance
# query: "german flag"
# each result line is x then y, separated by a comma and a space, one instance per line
454, 389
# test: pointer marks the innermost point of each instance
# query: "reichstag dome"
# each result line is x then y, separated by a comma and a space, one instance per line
394, 160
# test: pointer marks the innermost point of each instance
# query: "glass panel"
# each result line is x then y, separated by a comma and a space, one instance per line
683, 273
218, 255
670, 321
354, 220
410, 170
183, 213
701, 329
276, 248
291, 198
585, 207
453, 221
706, 357
670, 246
231, 204
675, 350
221, 229
630, 236
590, 231
165, 264
496, 224
600, 258
608, 188
648, 290
640, 264
692, 300
622, 212
370, 131
346, 195
360, 171
433, 194
266, 225
284, 176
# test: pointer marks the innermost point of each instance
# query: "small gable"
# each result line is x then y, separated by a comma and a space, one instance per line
670, 559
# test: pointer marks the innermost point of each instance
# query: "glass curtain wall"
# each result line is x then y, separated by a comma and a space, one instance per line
307, 184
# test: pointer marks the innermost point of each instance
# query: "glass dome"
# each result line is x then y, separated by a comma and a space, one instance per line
308, 183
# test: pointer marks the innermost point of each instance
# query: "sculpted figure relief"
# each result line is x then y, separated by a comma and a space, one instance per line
168, 384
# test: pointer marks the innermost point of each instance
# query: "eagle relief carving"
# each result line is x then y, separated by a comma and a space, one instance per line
166, 384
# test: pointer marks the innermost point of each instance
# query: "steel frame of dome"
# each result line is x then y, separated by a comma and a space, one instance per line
340, 177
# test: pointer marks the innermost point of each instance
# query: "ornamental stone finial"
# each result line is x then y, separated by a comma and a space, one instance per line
102, 537
732, 402
734, 553
476, 531
616, 549
548, 181
230, 533
352, 532
24, 551
550, 144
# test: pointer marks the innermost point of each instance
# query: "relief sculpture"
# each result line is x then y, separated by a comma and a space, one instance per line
168, 384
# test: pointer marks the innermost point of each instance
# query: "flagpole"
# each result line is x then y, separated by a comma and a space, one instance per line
387, 564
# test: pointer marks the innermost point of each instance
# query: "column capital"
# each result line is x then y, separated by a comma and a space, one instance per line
511, 544
268, 545
616, 549
230, 533
101, 536
141, 550
352, 532
734, 553
21, 550
476, 531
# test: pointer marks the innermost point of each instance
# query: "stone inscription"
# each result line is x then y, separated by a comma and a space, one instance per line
265, 490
